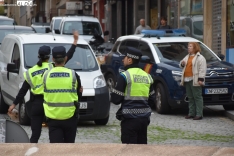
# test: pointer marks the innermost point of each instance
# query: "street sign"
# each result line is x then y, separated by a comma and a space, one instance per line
74, 5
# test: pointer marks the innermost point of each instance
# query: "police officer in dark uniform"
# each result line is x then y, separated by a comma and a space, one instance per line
61, 96
134, 89
33, 82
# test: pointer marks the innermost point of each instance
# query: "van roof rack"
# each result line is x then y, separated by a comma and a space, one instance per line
163, 33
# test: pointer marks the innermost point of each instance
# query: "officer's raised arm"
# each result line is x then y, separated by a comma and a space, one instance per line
73, 46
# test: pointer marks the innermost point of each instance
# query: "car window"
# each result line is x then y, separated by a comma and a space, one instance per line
83, 58
122, 47
56, 24
114, 49
145, 49
16, 56
83, 27
176, 51
132, 43
4, 32
6, 22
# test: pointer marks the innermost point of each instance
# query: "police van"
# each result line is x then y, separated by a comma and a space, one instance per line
162, 51
19, 52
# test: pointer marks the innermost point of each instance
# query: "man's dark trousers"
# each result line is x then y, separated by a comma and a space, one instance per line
134, 131
63, 131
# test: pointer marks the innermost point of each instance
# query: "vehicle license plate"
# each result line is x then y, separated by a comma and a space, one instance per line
216, 91
83, 105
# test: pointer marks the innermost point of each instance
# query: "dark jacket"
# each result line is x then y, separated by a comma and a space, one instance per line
117, 95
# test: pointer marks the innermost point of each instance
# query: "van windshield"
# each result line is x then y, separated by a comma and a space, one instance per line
82, 60
84, 28
176, 51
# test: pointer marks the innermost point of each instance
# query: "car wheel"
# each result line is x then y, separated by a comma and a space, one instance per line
102, 121
3, 106
23, 116
161, 104
228, 107
110, 80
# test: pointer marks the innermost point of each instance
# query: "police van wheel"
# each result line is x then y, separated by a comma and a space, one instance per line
102, 121
3, 106
23, 116
161, 103
228, 107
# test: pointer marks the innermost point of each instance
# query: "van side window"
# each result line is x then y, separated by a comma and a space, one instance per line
145, 49
16, 56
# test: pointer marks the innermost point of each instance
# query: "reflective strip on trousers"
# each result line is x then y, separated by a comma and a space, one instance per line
59, 104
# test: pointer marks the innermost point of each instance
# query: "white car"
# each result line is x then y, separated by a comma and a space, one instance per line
19, 52
87, 26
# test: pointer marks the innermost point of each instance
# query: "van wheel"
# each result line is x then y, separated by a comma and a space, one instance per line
102, 121
228, 107
23, 116
161, 103
3, 106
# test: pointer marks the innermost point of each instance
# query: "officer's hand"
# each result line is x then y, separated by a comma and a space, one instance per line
75, 35
11, 108
81, 89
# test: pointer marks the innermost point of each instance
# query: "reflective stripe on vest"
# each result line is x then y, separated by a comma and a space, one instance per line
33, 73
59, 104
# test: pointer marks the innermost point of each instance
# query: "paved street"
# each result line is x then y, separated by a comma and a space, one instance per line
214, 130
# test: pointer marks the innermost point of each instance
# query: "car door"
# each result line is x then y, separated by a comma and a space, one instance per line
12, 79
7, 51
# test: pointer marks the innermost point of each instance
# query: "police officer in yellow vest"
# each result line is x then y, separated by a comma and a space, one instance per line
134, 89
61, 95
33, 82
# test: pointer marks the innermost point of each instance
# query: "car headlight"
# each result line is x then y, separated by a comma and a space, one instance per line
176, 75
99, 82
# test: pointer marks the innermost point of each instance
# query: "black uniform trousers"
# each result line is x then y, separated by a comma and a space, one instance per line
134, 131
37, 117
63, 131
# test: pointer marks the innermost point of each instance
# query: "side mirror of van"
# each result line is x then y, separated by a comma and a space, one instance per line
11, 67
56, 31
221, 56
145, 59
106, 33
47, 30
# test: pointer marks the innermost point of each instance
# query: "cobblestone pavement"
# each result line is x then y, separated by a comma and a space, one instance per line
214, 130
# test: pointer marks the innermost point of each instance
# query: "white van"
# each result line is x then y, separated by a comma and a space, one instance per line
19, 52
87, 26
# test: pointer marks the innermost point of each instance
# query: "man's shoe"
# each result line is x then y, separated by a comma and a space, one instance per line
188, 117
197, 118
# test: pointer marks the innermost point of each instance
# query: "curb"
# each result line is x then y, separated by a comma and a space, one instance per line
230, 114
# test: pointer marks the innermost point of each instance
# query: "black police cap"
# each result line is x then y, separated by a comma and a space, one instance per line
132, 53
59, 52
44, 50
